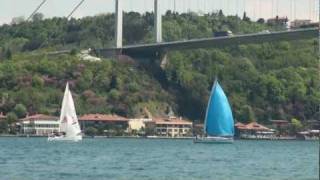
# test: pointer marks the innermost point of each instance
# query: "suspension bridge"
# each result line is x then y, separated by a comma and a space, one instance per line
257, 9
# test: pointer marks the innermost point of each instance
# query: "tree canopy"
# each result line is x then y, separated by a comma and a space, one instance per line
262, 81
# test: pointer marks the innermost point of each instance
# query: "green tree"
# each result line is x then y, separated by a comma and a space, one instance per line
91, 131
37, 17
20, 110
12, 117
248, 114
296, 126
8, 54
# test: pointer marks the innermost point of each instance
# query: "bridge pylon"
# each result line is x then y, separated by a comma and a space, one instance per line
119, 23
157, 21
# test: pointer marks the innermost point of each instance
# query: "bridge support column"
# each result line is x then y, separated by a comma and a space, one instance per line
157, 21
119, 22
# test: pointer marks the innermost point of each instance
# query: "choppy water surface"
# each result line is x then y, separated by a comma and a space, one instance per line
146, 159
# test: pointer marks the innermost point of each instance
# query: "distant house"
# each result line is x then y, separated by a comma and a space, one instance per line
278, 21
105, 123
313, 124
298, 23
172, 127
280, 124
39, 124
309, 135
253, 131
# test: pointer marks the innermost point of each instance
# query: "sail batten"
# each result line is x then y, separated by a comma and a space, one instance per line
219, 119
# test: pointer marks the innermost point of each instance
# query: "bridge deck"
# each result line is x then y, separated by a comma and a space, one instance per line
213, 42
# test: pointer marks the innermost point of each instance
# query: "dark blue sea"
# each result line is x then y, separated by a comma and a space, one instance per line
157, 159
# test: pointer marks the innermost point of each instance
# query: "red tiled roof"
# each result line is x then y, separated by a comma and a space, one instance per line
239, 124
40, 117
254, 126
171, 120
102, 117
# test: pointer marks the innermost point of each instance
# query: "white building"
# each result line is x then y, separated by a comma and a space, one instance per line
172, 127
39, 124
137, 124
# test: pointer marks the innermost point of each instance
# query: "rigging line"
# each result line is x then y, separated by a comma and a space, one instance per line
36, 10
272, 8
277, 7
74, 9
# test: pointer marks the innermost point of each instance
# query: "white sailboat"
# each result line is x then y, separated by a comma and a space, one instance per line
69, 129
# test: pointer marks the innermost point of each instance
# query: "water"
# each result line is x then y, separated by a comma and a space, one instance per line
146, 159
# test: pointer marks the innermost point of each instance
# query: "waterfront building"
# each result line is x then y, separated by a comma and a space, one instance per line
104, 124
309, 135
313, 124
172, 126
254, 131
238, 127
198, 129
282, 127
39, 125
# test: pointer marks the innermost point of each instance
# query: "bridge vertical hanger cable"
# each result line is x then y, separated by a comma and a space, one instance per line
237, 7
277, 7
36, 10
291, 14
245, 6
272, 8
254, 9
310, 11
260, 8
74, 9
295, 9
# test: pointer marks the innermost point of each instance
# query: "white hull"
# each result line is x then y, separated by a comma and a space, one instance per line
213, 140
64, 138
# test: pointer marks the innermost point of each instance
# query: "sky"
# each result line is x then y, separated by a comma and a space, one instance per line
293, 9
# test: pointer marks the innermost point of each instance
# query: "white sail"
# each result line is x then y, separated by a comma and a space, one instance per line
68, 118
63, 124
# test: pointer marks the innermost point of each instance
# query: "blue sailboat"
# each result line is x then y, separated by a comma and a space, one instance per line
219, 123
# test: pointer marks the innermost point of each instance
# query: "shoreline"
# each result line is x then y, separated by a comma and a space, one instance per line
157, 137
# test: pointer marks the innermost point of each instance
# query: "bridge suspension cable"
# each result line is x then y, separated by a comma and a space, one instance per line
36, 10
74, 9
277, 7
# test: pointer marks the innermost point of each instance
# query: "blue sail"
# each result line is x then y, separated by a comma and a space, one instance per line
219, 119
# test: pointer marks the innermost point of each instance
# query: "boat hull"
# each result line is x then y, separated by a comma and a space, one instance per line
63, 138
214, 140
